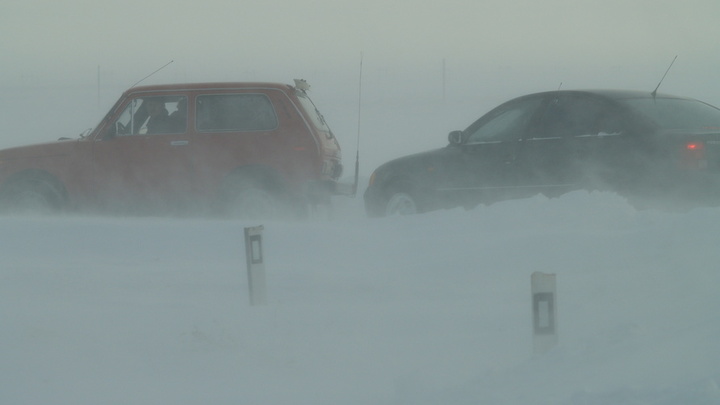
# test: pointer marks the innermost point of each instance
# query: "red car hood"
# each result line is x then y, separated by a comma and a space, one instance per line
57, 148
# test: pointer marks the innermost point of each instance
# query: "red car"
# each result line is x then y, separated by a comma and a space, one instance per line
245, 149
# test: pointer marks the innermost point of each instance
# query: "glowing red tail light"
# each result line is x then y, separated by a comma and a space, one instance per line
695, 146
693, 156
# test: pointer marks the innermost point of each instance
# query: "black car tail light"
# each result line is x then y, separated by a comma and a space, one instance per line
695, 146
693, 155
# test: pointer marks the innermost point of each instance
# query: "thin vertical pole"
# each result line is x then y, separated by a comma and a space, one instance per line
443, 80
98, 86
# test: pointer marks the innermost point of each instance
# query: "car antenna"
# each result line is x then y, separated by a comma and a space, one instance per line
161, 68
654, 92
357, 147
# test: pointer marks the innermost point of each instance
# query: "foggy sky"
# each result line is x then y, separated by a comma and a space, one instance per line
220, 39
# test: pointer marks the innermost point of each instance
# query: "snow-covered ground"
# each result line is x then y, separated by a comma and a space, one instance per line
428, 309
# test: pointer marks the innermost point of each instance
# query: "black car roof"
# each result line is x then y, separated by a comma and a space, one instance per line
614, 94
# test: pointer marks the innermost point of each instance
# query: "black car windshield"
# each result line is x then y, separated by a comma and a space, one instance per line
677, 113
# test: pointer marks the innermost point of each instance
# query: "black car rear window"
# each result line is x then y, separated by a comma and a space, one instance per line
676, 113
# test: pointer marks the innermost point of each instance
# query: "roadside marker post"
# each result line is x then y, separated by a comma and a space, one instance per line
255, 265
544, 312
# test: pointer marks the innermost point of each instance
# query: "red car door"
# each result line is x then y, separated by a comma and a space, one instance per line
145, 166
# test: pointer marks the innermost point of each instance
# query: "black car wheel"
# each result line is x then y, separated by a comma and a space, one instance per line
401, 203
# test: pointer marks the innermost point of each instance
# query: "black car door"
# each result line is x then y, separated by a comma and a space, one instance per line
563, 149
488, 155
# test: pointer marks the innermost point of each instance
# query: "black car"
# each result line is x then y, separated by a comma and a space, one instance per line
648, 147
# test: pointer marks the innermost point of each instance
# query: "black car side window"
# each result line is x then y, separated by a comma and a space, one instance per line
578, 116
504, 124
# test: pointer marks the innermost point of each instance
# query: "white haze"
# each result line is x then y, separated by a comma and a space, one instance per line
429, 309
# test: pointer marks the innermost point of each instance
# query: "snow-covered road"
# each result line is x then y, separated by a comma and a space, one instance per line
429, 309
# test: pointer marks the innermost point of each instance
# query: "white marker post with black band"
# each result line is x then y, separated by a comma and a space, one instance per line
255, 265
544, 312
